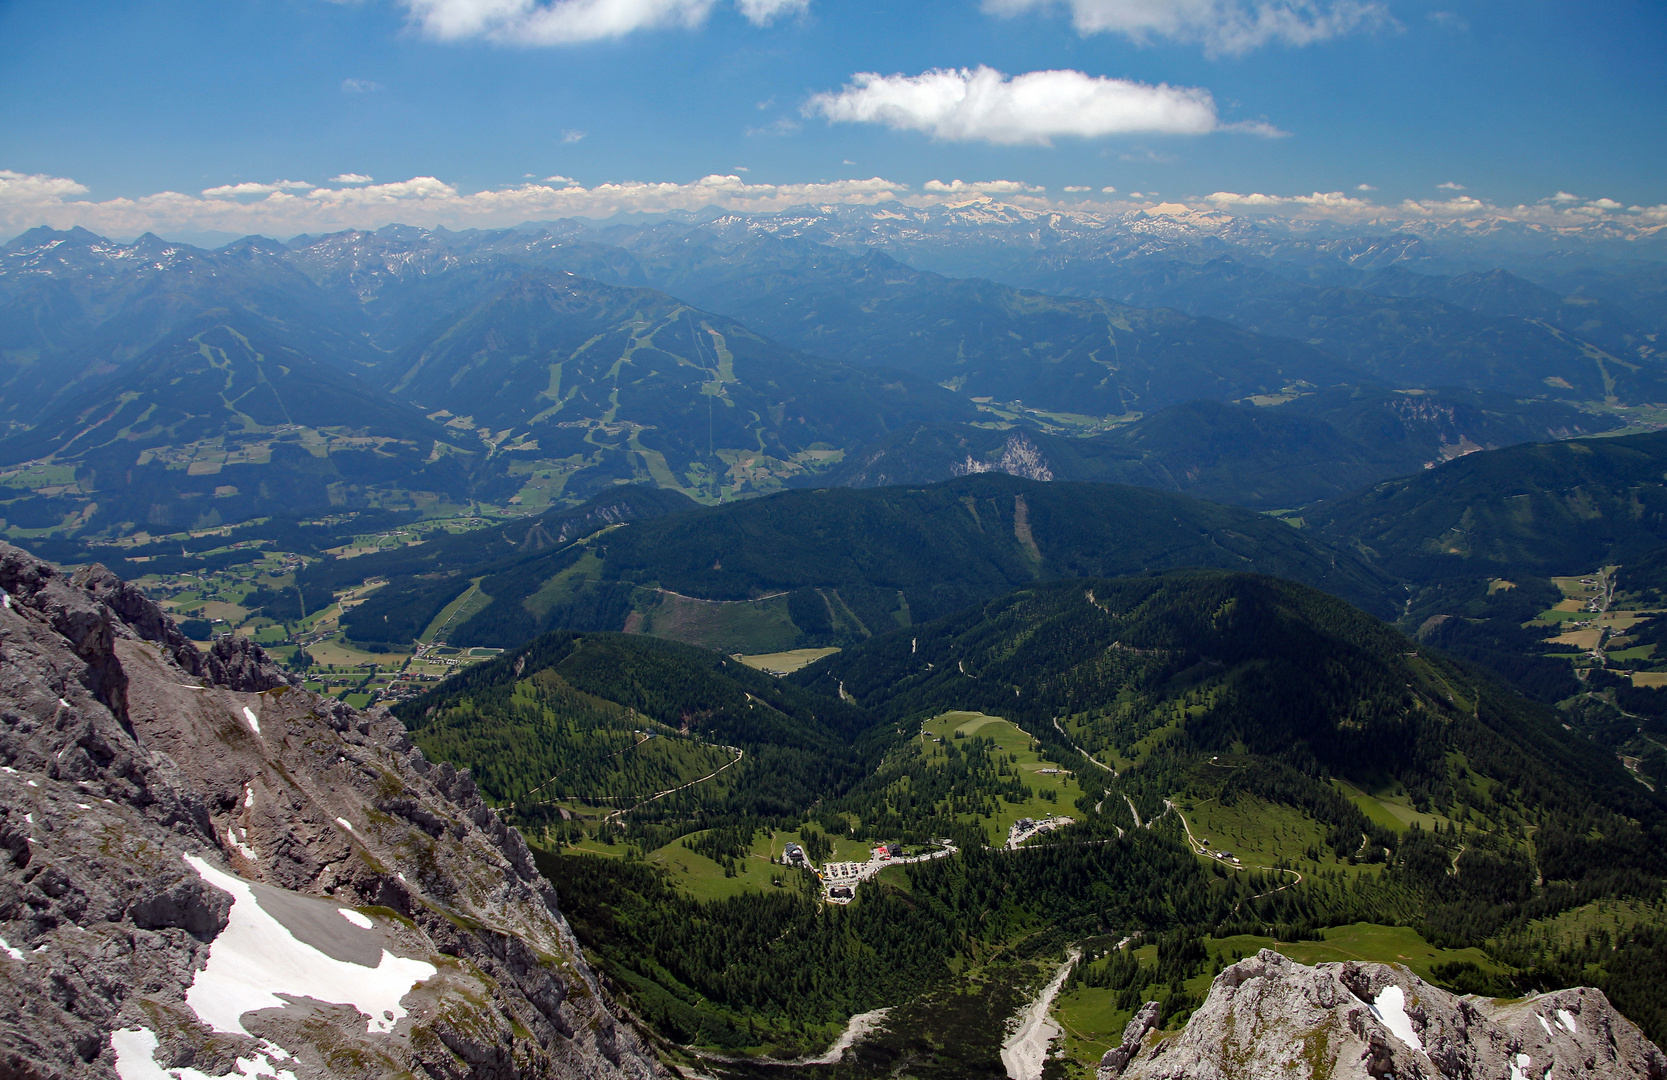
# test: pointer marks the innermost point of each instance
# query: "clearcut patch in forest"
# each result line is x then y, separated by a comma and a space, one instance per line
785, 663
748, 627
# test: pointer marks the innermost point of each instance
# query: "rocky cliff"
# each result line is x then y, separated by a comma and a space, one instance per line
207, 872
1268, 1017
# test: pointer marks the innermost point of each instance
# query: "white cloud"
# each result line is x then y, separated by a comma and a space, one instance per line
572, 135
1364, 187
780, 126
982, 104
1227, 27
764, 12
258, 189
982, 187
360, 86
1078, 187
1450, 20
28, 200
1331, 201
571, 22
1450, 186
1565, 197
351, 178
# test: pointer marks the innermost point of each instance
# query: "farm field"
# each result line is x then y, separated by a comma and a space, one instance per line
220, 599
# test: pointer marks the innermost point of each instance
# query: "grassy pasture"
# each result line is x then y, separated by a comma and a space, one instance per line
1390, 810
1260, 833
1570, 927
1011, 740
469, 602
704, 878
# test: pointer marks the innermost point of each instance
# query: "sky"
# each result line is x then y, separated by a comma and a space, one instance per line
283, 116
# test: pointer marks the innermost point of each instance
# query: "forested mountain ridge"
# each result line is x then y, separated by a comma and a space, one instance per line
1317, 446
615, 382
76, 307
1265, 667
1086, 356
222, 422
573, 707
835, 565
1218, 698
1542, 508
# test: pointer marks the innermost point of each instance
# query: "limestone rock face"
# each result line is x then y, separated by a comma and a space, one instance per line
205, 868
1269, 1017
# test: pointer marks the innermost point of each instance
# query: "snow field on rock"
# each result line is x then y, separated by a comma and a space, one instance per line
256, 958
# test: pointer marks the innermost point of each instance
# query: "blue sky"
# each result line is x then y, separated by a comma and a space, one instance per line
1515, 101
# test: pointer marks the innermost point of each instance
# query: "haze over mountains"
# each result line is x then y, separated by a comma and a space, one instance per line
855, 609
558, 361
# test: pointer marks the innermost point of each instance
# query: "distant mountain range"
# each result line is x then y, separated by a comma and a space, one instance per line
1319, 446
736, 356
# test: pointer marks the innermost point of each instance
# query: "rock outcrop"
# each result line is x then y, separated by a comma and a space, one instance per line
206, 869
1269, 1017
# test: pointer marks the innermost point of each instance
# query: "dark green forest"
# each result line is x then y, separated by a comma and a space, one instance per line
1207, 687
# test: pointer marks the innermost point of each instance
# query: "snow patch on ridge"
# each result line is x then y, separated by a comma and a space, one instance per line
358, 919
136, 1060
254, 721
1390, 1007
256, 958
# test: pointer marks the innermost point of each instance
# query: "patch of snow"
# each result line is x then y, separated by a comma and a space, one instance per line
359, 919
254, 721
15, 954
256, 958
30, 818
1566, 1018
31, 783
1543, 1024
83, 806
1519, 1067
344, 823
239, 846
6, 598
136, 1060
248, 796
399, 875
64, 703
7, 768
1390, 1007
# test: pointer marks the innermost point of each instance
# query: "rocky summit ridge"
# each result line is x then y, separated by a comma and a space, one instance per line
206, 871
1268, 1016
